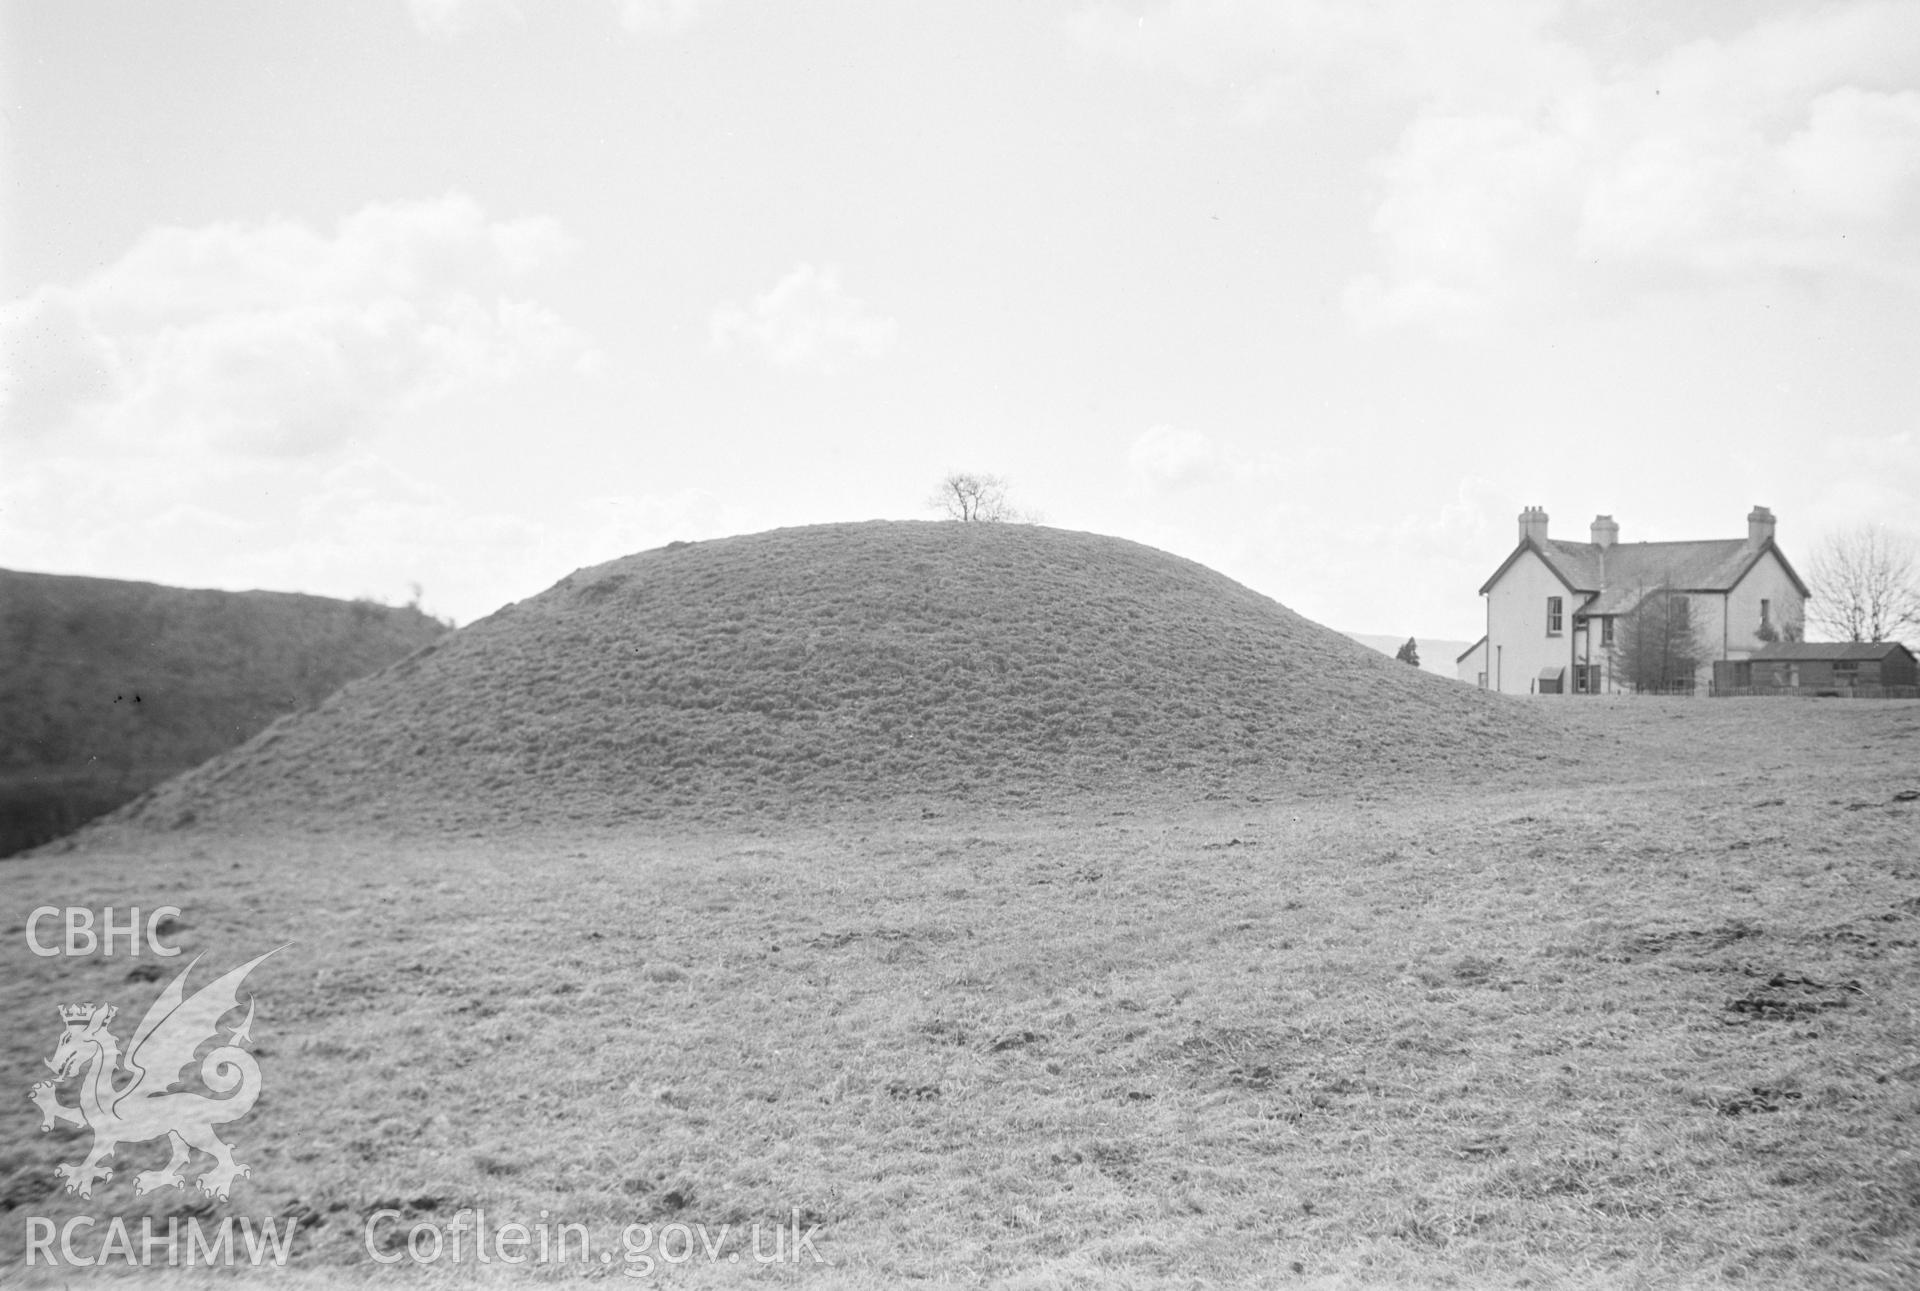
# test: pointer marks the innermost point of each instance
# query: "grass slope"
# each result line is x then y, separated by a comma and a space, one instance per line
1656, 1025
809, 669
110, 686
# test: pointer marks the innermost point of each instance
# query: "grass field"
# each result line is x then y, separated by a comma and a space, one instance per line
1651, 1023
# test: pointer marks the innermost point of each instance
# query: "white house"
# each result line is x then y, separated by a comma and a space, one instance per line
1552, 605
1471, 664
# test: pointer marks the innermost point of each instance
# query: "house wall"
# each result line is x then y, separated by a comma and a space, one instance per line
1587, 650
1767, 579
1713, 620
1473, 663
1518, 646
1595, 653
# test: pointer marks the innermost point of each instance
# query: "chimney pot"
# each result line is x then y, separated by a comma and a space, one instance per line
1533, 524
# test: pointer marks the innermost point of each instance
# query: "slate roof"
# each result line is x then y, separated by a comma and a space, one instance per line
1619, 575
1615, 600
1712, 566
1801, 650
1462, 656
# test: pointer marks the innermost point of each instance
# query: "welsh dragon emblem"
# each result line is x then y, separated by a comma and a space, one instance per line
132, 1100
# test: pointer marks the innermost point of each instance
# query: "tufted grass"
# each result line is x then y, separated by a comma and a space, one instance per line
1653, 1025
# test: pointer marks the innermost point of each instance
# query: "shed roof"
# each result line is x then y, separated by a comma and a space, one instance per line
1462, 656
1795, 651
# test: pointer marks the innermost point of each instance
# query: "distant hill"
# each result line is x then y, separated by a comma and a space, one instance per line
890, 663
107, 687
1437, 655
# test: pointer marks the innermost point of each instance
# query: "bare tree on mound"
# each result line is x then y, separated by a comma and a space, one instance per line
1409, 653
968, 495
1866, 585
1657, 648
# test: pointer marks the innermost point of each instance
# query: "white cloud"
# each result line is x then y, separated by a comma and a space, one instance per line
278, 339
365, 526
1556, 151
1275, 56
206, 408
807, 322
1465, 197
1475, 520
1789, 148
449, 18
1166, 458
51, 361
650, 17
351, 525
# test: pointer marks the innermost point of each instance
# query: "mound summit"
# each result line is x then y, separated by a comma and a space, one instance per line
885, 663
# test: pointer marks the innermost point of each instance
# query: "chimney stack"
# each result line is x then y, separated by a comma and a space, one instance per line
1533, 524
1605, 532
1759, 526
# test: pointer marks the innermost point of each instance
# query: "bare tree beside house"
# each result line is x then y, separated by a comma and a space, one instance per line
1866, 585
1656, 646
1787, 628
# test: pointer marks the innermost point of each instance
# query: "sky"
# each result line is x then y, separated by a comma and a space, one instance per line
435, 301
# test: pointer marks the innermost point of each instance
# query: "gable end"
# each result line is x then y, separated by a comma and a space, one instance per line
1529, 546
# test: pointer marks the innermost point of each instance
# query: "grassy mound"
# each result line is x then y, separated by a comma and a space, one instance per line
111, 686
812, 668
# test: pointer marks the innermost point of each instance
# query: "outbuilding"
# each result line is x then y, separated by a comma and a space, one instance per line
1855, 669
